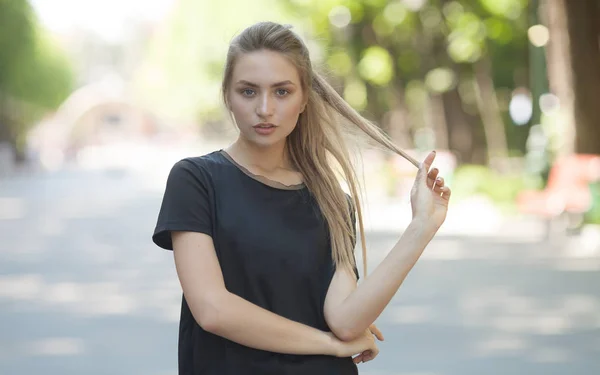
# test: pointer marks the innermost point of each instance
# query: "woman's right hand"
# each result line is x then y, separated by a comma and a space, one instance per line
363, 346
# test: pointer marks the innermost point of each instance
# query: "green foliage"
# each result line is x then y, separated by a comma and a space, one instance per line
511, 9
593, 215
440, 80
16, 37
43, 76
395, 13
469, 180
465, 40
379, 50
376, 66
340, 62
498, 30
388, 41
181, 73
35, 75
355, 93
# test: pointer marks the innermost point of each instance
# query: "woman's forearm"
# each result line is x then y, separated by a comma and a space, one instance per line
364, 305
245, 323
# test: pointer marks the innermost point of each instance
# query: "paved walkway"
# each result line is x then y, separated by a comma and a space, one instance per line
84, 291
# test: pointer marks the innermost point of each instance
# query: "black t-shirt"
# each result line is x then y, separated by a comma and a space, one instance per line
273, 246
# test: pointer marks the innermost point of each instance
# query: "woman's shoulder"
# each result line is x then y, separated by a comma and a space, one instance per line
202, 163
198, 169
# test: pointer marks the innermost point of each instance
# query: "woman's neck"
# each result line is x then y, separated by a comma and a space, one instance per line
268, 159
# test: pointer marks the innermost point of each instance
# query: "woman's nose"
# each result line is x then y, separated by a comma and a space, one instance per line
265, 106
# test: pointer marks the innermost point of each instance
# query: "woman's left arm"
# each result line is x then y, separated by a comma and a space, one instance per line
350, 309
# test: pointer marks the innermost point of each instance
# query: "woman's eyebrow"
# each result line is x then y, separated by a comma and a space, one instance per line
251, 84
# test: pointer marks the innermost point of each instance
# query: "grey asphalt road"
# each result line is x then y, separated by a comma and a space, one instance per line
84, 291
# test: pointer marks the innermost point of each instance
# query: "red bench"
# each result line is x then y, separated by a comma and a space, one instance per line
567, 191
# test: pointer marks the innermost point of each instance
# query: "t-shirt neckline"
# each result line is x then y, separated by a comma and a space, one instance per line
262, 179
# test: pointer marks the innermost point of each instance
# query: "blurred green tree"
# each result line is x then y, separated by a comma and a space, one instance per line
433, 73
35, 76
180, 74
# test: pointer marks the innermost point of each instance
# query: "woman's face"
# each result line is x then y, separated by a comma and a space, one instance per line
265, 97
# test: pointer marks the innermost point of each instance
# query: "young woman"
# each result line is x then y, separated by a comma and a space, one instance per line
263, 234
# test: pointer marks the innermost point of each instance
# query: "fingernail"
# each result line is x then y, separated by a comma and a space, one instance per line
434, 152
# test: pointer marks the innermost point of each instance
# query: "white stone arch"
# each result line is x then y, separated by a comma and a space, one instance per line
82, 112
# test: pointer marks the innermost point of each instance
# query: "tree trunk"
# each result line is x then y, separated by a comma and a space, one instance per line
432, 48
460, 127
583, 29
559, 68
436, 117
489, 111
396, 121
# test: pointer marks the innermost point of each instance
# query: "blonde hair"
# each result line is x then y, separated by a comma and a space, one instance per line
317, 137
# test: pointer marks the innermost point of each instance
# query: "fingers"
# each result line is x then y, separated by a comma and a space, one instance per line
446, 192
433, 173
366, 356
436, 185
443, 191
374, 330
433, 180
426, 165
369, 355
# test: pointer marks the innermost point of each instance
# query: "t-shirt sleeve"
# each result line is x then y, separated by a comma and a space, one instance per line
185, 205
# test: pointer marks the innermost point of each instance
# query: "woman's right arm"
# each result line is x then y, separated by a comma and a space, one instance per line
227, 315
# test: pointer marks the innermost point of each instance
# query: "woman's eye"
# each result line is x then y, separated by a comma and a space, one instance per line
247, 92
282, 92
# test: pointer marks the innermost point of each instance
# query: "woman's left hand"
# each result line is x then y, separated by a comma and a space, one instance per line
369, 355
429, 196
374, 330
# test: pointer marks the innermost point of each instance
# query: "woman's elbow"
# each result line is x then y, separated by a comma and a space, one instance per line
208, 314
209, 322
345, 333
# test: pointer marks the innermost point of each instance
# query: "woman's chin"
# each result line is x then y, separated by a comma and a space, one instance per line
264, 141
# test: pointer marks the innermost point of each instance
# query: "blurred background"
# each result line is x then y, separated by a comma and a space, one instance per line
98, 99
